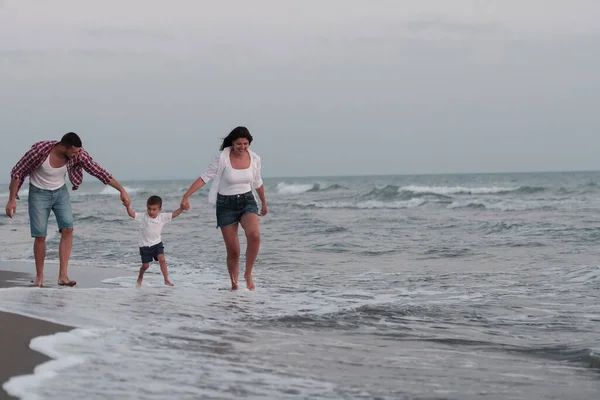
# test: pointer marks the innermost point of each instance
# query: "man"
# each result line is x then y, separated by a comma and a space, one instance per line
46, 164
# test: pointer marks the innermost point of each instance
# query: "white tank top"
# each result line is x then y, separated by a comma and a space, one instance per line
48, 178
236, 181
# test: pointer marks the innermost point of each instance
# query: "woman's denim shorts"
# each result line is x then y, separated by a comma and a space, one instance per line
41, 202
230, 209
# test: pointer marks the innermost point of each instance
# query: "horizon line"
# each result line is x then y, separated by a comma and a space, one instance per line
381, 175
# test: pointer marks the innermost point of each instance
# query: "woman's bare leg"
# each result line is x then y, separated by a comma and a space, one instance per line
232, 244
251, 228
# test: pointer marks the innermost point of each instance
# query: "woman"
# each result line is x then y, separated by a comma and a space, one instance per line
236, 171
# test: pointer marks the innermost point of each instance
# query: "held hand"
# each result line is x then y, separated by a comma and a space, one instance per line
125, 198
11, 208
263, 210
185, 204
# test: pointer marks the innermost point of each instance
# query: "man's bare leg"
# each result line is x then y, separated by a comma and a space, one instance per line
39, 253
232, 244
64, 254
251, 228
163, 269
143, 269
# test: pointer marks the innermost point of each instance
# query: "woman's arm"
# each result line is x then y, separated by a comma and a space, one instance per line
263, 200
185, 201
210, 173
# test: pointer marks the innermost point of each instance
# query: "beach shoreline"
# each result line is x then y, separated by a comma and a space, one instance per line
17, 333
18, 330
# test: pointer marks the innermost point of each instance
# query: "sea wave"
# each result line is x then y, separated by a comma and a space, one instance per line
109, 190
463, 190
352, 318
297, 188
504, 206
22, 386
366, 204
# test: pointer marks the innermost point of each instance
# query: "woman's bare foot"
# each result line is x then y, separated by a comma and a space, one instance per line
234, 285
168, 283
249, 281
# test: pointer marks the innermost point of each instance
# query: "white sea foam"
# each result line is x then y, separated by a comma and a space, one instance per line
292, 188
109, 190
24, 386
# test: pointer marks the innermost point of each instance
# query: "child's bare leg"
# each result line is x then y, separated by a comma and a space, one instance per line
141, 274
163, 269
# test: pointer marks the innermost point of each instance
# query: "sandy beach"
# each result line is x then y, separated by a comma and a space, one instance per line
16, 334
17, 330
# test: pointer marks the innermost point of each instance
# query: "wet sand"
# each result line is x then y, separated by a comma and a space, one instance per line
16, 331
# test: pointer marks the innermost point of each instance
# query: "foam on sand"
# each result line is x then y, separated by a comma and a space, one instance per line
24, 386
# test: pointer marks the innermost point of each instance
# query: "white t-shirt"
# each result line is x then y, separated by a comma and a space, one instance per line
151, 228
236, 181
48, 178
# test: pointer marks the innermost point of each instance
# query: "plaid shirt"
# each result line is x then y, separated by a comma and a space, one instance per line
38, 153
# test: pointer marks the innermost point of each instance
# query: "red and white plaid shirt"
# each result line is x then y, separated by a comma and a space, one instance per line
38, 153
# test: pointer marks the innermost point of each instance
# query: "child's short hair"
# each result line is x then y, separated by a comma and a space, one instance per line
154, 201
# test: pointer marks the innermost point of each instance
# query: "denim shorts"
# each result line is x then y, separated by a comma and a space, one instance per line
41, 202
230, 209
150, 253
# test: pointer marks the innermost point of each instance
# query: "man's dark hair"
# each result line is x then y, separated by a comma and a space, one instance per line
70, 139
154, 201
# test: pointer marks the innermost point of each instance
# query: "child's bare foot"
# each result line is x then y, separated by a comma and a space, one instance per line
249, 281
138, 284
168, 283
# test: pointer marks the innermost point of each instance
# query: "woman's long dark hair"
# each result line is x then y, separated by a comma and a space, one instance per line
236, 133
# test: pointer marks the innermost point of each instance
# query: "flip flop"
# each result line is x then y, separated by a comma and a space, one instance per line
67, 283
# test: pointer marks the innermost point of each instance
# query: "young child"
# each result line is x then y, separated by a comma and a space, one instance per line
150, 242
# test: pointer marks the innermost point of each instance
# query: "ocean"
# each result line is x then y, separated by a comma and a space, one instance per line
473, 286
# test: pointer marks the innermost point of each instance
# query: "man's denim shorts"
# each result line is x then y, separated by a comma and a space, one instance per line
150, 253
230, 209
41, 202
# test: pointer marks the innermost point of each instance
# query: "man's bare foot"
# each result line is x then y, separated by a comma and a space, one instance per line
249, 281
168, 283
138, 284
66, 282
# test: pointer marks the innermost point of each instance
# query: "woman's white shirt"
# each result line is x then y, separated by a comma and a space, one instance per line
215, 173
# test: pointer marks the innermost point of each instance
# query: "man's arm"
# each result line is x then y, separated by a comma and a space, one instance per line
124, 195
94, 169
11, 206
30, 160
177, 212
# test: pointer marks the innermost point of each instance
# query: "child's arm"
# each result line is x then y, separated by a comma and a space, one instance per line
177, 212
130, 211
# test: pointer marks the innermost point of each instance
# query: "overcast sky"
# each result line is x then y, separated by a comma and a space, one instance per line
327, 87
